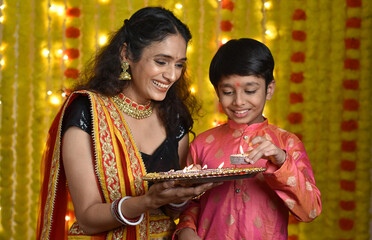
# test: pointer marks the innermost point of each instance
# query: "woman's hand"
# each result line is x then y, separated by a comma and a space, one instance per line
187, 234
267, 150
164, 193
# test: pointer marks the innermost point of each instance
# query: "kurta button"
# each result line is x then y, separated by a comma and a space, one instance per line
245, 137
237, 190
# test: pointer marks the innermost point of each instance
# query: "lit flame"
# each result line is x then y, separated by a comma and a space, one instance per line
221, 165
186, 169
241, 150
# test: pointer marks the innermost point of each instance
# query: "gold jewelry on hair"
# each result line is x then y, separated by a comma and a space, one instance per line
124, 75
132, 108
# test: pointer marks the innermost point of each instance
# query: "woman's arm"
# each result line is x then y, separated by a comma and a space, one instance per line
93, 215
183, 148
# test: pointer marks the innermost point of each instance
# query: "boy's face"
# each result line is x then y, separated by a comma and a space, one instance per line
243, 98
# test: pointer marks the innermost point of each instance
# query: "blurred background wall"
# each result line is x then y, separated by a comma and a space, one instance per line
323, 72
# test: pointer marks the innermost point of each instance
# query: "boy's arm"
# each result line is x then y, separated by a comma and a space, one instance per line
295, 184
188, 219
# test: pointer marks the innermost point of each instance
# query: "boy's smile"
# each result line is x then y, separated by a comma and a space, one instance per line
243, 98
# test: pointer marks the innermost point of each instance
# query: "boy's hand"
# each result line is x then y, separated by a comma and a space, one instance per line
267, 150
187, 234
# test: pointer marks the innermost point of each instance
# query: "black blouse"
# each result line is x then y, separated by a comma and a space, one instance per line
165, 156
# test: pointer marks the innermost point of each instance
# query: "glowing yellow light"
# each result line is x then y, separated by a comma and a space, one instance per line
224, 40
67, 218
104, 1
214, 123
65, 57
59, 9
0, 104
2, 19
271, 32
63, 94
267, 5
54, 100
102, 40
189, 49
2, 7
59, 53
2, 47
192, 90
45, 52
49, 92
179, 6
2, 62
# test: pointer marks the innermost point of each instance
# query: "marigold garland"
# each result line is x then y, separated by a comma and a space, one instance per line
7, 92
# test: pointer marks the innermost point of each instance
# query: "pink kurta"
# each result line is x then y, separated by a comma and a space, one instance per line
254, 208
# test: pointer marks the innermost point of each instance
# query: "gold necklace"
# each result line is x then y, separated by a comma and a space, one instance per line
132, 108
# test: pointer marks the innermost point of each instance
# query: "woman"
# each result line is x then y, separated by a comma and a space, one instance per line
130, 117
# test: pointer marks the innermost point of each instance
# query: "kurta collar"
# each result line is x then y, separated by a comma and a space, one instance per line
248, 128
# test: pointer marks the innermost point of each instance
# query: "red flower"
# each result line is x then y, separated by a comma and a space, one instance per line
347, 205
351, 84
72, 73
297, 77
296, 98
299, 14
351, 105
352, 43
298, 57
227, 4
348, 146
352, 64
72, 32
299, 35
347, 185
354, 3
354, 22
346, 224
348, 165
226, 26
348, 126
72, 53
73, 12
295, 118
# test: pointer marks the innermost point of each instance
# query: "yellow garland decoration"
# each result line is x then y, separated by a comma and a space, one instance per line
39, 114
363, 184
7, 92
23, 109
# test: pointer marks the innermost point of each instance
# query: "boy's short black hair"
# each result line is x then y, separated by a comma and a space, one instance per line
243, 57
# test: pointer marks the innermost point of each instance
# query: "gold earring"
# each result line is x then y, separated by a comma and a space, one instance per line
124, 75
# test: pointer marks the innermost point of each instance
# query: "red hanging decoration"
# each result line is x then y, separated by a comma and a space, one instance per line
72, 73
227, 4
72, 32
72, 53
73, 12
299, 14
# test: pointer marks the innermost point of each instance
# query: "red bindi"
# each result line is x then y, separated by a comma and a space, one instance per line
237, 84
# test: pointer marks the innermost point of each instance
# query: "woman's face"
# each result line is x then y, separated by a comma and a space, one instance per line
243, 98
159, 67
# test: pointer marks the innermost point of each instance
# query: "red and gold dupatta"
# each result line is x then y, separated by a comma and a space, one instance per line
119, 170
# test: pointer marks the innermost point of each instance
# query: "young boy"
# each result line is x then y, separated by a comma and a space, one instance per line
253, 208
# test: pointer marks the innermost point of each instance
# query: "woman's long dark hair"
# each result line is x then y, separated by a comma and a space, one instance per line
147, 25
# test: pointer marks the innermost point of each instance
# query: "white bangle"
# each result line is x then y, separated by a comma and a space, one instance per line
178, 205
123, 218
